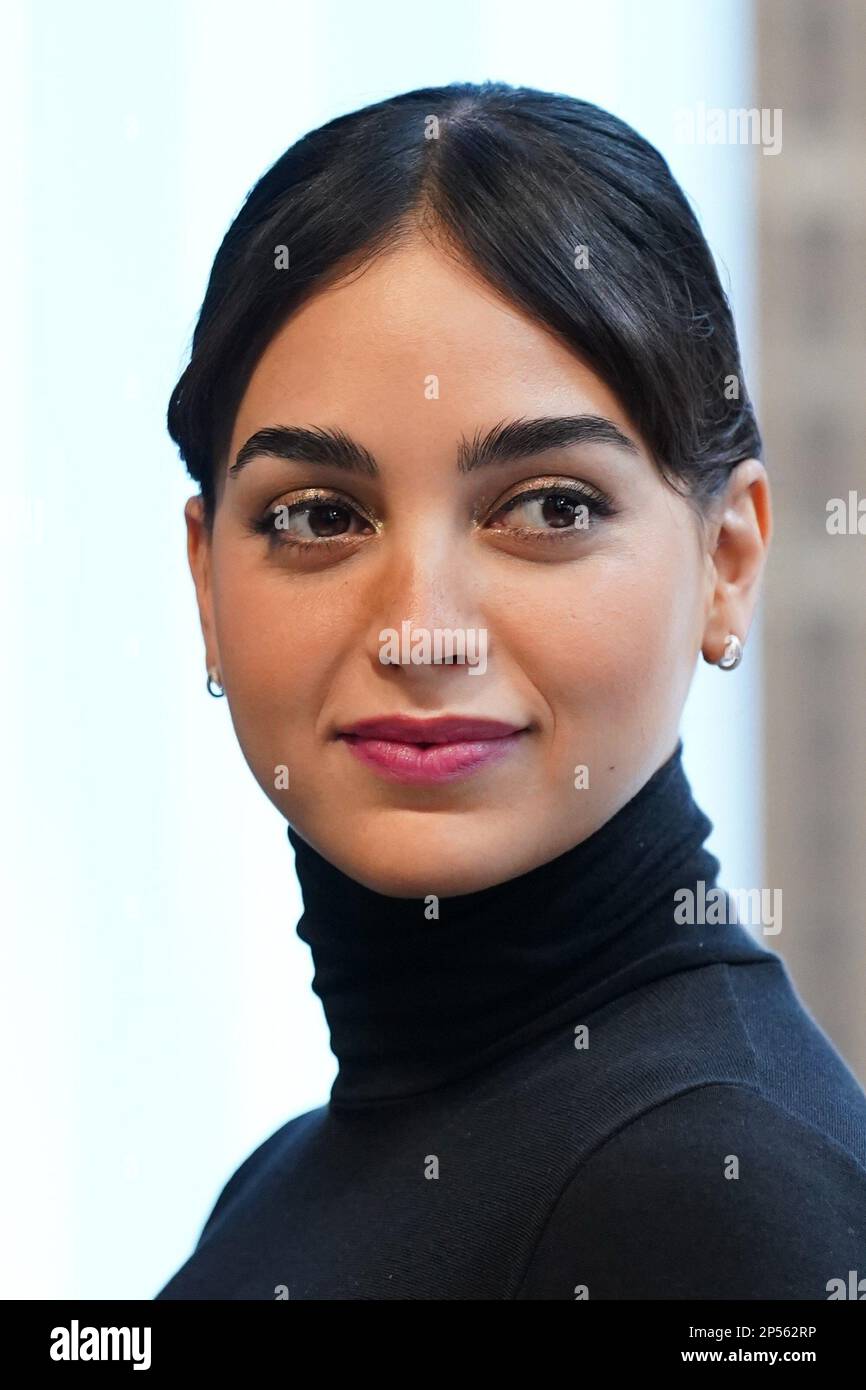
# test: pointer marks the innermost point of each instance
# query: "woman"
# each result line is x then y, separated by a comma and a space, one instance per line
479, 481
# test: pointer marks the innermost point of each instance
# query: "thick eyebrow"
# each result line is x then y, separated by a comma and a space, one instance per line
516, 439
505, 442
293, 442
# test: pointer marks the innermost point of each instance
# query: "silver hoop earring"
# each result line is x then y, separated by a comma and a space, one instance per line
213, 682
733, 653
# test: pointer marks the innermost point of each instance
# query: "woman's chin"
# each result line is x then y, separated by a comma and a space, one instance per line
418, 863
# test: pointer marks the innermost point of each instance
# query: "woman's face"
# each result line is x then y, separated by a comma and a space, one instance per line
576, 586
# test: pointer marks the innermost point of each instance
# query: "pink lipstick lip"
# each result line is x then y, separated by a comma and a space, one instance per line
404, 729
400, 761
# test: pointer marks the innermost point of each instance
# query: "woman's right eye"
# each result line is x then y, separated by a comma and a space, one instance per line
311, 522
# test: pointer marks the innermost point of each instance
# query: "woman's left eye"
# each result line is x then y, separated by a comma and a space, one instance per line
551, 510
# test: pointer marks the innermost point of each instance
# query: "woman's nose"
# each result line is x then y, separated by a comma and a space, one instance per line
425, 605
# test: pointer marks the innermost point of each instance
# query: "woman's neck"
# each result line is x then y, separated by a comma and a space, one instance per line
418, 991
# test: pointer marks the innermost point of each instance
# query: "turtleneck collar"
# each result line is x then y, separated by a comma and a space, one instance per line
412, 1003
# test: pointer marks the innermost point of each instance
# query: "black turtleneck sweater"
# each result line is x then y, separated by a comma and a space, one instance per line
554, 1090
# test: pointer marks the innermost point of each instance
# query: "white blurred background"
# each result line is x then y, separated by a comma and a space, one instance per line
157, 1016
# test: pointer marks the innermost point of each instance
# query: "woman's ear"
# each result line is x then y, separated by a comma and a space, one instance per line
198, 549
741, 533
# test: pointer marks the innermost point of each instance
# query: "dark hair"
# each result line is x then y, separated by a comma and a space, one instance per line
515, 181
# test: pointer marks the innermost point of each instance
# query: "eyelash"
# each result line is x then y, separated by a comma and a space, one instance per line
279, 536
598, 504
